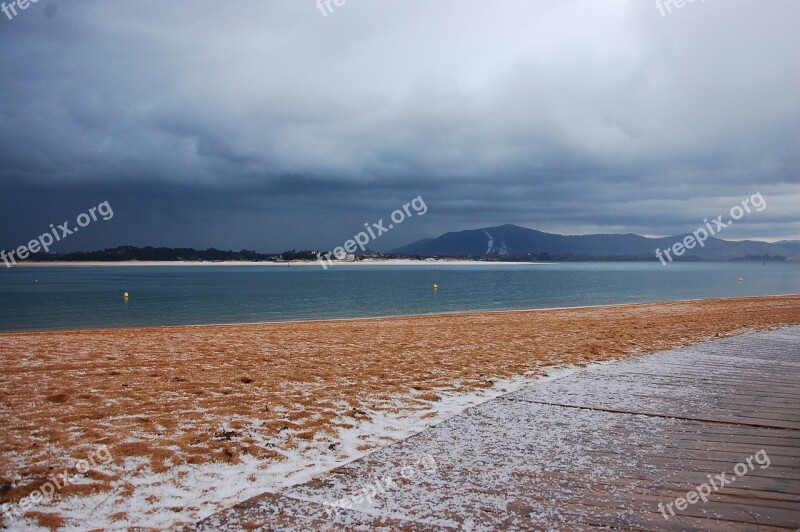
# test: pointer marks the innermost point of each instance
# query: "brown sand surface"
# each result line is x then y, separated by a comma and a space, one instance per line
186, 395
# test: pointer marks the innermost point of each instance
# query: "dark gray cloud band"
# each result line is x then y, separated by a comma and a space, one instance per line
266, 125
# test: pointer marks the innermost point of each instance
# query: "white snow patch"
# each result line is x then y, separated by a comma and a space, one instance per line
188, 493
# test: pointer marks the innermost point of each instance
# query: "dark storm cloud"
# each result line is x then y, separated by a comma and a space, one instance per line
266, 125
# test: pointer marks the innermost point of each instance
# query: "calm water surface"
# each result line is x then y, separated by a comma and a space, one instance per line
90, 297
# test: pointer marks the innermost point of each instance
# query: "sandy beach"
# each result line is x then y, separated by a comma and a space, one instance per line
198, 418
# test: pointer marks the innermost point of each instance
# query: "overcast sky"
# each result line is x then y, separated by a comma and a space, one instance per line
267, 125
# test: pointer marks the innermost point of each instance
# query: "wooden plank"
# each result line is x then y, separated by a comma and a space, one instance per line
608, 447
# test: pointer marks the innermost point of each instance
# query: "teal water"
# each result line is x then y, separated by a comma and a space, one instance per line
90, 297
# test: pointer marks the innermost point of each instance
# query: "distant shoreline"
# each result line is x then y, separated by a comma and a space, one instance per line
366, 262
369, 262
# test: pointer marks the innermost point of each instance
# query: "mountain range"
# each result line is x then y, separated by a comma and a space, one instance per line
507, 241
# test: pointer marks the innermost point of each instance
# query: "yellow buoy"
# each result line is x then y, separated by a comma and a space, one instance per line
741, 280
125, 295
436, 287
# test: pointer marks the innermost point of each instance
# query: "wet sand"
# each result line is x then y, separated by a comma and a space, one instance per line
164, 398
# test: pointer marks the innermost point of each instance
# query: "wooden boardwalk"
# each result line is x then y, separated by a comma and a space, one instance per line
613, 445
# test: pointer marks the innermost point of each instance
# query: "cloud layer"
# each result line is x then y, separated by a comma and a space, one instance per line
267, 125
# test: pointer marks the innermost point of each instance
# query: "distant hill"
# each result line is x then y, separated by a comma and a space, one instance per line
513, 241
132, 253
162, 254
505, 242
